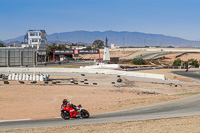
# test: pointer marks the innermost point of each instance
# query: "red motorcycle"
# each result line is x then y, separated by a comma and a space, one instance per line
68, 112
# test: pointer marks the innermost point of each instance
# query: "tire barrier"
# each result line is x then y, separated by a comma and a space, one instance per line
1, 75
75, 83
6, 82
21, 82
119, 80
86, 83
94, 83
29, 77
113, 82
118, 76
85, 80
53, 82
82, 74
46, 82
71, 80
34, 82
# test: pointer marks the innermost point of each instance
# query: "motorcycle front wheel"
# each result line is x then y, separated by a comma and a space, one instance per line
65, 115
85, 113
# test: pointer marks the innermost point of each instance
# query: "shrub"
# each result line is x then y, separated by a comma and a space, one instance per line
177, 62
139, 62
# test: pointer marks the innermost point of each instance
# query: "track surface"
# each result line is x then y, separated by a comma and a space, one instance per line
176, 108
182, 107
191, 74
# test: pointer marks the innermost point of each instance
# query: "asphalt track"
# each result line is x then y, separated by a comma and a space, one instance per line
176, 108
191, 74
151, 55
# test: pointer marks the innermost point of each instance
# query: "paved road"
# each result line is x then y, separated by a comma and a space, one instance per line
151, 55
191, 74
182, 107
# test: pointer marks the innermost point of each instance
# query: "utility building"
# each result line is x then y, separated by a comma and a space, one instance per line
36, 38
18, 56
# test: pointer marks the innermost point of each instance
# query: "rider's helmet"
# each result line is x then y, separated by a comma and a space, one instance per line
64, 101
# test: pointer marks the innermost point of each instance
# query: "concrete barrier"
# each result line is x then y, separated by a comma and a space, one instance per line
101, 65
34, 77
100, 71
37, 77
20, 76
13, 76
16, 76
9, 77
41, 77
30, 77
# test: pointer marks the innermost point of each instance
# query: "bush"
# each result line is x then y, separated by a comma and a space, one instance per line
139, 62
177, 62
193, 62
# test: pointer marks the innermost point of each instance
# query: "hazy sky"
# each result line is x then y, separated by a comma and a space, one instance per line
180, 18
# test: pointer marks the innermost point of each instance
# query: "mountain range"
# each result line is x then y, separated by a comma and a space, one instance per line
122, 38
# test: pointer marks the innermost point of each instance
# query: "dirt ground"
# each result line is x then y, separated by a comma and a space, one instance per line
43, 101
34, 101
188, 56
112, 54
169, 58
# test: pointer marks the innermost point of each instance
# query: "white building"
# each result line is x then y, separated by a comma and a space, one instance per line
35, 37
113, 46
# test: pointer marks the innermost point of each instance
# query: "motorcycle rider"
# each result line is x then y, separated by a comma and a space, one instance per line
68, 103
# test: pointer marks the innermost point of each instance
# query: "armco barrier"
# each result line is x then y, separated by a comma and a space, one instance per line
67, 70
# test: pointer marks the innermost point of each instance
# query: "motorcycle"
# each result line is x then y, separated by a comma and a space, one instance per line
68, 112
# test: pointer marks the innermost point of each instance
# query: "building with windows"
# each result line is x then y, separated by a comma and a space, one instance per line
35, 37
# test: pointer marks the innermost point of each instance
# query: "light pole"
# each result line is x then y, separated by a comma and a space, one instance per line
57, 40
123, 44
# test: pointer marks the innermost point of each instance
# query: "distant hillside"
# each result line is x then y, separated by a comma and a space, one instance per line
2, 42
119, 38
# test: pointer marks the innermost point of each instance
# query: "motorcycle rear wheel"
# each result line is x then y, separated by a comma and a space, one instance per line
85, 113
65, 115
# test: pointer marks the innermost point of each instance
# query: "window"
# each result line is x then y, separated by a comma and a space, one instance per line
34, 40
34, 33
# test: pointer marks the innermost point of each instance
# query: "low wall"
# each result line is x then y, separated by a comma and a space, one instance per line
101, 71
101, 65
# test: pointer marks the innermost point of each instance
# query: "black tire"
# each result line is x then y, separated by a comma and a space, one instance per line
65, 115
85, 113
